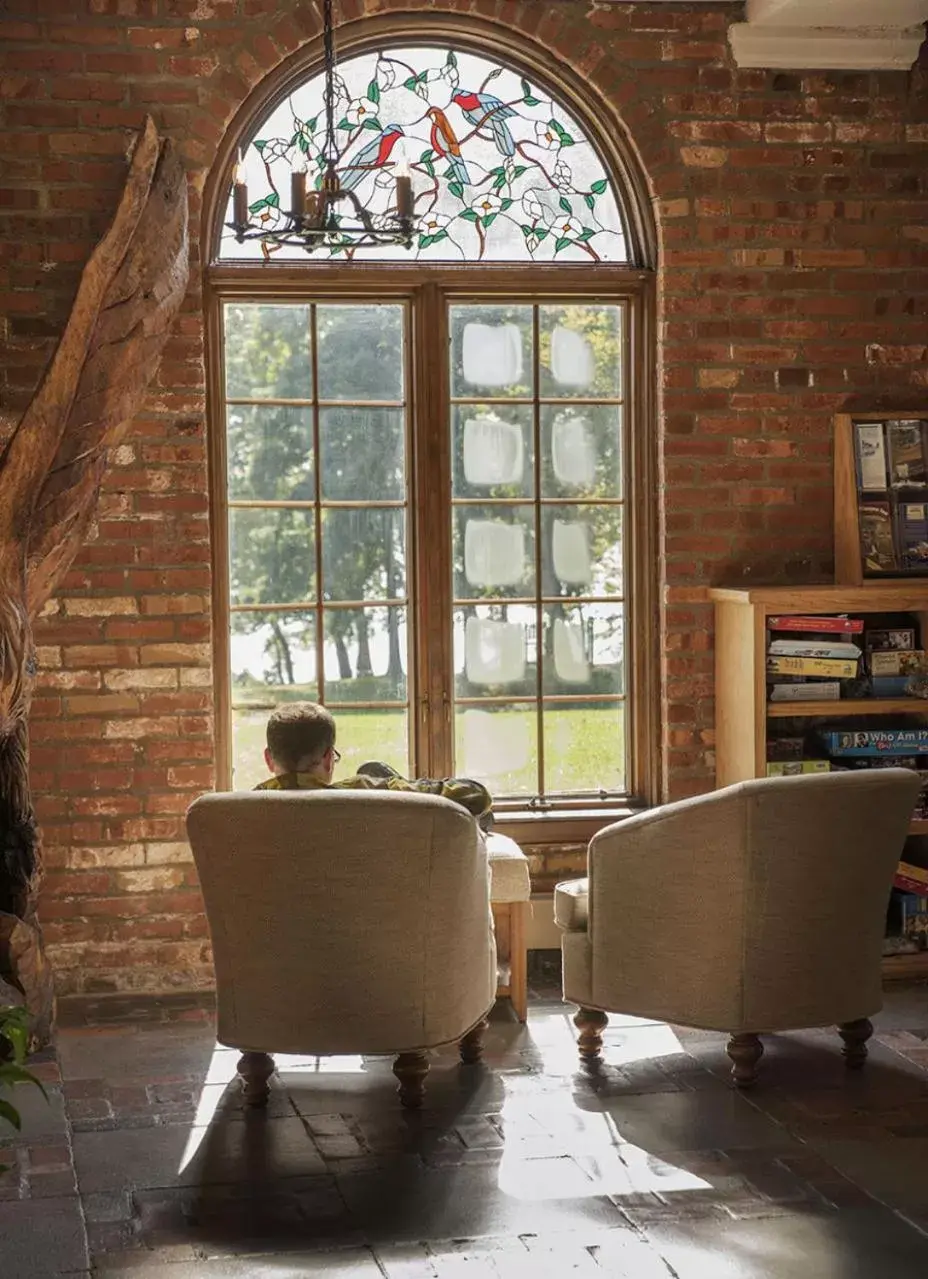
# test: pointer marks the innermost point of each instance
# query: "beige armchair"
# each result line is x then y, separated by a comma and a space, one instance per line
345, 922
760, 907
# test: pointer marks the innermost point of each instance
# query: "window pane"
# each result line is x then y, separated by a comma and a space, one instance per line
584, 648
273, 658
494, 551
581, 451
363, 454
498, 745
365, 654
364, 735
271, 554
360, 352
501, 171
493, 449
494, 651
268, 351
584, 746
491, 351
270, 452
580, 351
581, 550
363, 553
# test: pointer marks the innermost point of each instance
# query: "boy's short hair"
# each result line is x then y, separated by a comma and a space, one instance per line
299, 734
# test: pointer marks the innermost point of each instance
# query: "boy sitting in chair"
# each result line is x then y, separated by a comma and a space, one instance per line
301, 755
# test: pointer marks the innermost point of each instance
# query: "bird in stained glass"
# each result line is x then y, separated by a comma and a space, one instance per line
483, 110
370, 158
445, 143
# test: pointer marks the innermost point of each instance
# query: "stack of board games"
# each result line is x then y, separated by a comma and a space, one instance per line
892, 659
892, 495
809, 658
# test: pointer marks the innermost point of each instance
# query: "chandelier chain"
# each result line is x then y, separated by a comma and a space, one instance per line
328, 38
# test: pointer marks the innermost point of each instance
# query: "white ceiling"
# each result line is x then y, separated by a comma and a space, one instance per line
825, 34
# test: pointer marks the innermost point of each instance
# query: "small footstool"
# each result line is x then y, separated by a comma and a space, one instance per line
510, 898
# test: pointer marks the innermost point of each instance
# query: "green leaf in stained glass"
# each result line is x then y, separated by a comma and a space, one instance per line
505, 206
451, 60
425, 241
565, 205
468, 215
293, 141
599, 187
490, 219
500, 182
344, 123
586, 234
410, 82
456, 189
526, 88
562, 243
527, 230
273, 200
519, 170
542, 232
439, 235
590, 201
303, 145
426, 155
531, 102
257, 206
373, 92
373, 124
260, 145
311, 124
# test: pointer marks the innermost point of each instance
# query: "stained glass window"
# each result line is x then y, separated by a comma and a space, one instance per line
501, 171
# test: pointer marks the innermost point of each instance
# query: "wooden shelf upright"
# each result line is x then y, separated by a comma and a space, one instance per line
741, 708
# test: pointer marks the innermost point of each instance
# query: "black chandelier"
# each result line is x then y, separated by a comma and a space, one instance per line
314, 218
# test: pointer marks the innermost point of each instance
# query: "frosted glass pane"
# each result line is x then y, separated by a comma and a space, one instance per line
571, 552
494, 553
494, 651
570, 661
496, 745
572, 451
572, 361
492, 354
493, 452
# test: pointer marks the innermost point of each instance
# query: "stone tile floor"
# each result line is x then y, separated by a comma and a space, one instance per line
145, 1165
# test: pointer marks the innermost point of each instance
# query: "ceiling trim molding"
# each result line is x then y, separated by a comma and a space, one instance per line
824, 48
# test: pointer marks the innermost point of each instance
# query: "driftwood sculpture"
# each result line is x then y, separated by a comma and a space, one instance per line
50, 473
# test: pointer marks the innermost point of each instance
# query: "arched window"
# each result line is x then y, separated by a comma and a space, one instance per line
432, 467
502, 171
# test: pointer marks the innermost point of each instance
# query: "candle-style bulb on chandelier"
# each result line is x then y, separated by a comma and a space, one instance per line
329, 215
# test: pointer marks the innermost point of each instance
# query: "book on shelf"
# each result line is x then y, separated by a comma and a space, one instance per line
870, 447
895, 662
890, 685
878, 741
914, 911
892, 639
825, 690
906, 453
911, 879
796, 767
827, 667
876, 537
913, 534
839, 625
813, 648
779, 748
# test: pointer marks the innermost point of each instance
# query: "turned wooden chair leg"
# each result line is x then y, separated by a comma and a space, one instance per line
411, 1070
745, 1052
255, 1069
855, 1035
591, 1023
471, 1046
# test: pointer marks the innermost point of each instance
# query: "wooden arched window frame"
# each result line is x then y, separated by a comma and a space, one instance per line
432, 302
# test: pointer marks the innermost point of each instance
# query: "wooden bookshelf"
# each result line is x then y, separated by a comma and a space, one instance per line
742, 711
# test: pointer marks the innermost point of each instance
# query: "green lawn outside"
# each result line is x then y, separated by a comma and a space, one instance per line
584, 747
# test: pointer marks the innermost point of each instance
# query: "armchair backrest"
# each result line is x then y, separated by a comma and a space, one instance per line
764, 903
344, 922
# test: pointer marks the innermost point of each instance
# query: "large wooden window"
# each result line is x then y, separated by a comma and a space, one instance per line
431, 478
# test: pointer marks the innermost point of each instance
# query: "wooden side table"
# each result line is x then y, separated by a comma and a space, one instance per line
510, 900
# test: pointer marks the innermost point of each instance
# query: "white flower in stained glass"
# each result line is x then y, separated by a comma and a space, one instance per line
432, 223
486, 205
533, 206
545, 135
361, 110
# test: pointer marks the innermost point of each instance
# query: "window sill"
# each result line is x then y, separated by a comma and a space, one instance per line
567, 826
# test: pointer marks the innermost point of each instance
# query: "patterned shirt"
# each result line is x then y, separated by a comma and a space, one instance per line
461, 790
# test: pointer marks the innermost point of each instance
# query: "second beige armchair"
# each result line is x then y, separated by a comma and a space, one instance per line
757, 908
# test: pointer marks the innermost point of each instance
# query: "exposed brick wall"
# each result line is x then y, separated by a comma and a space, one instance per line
794, 283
